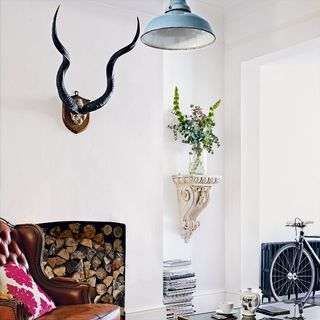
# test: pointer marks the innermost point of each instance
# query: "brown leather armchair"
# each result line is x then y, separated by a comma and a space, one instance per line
23, 244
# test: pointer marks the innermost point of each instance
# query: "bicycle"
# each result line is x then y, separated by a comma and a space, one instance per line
292, 269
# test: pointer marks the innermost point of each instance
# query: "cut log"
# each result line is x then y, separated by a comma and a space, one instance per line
95, 263
101, 288
108, 247
121, 288
89, 273
49, 239
110, 290
55, 261
71, 242
59, 243
97, 299
96, 246
117, 232
89, 231
79, 236
55, 231
48, 271
121, 279
74, 227
107, 298
60, 271
107, 230
116, 264
108, 281
117, 245
74, 266
108, 267
121, 270
45, 255
71, 249
119, 300
66, 234
92, 281
86, 242
101, 274
79, 276
77, 255
98, 238
115, 275
63, 253
52, 249
101, 255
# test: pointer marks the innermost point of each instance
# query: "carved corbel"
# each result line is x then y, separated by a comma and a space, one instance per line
193, 196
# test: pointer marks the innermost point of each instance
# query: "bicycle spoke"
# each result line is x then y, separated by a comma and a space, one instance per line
305, 281
281, 287
278, 280
294, 258
303, 268
301, 263
290, 267
296, 283
282, 266
287, 291
303, 285
280, 271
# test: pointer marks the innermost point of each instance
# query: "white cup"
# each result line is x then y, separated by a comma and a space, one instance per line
226, 307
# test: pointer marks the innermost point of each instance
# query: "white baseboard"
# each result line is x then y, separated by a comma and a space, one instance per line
147, 313
204, 301
234, 296
208, 300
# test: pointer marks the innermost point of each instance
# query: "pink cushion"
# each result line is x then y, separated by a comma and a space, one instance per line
15, 281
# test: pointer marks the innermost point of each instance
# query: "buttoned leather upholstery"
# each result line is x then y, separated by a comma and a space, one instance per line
9, 248
23, 245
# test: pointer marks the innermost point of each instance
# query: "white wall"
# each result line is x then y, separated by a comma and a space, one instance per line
120, 168
110, 172
275, 187
252, 29
289, 136
199, 76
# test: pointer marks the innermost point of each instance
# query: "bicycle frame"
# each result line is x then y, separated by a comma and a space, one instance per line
304, 243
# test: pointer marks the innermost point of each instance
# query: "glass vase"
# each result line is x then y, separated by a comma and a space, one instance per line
197, 161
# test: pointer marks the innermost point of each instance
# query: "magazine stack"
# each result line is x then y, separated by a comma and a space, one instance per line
179, 285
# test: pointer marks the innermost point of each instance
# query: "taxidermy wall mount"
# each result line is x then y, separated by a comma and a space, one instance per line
75, 109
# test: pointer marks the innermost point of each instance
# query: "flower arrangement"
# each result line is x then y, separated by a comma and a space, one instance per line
196, 130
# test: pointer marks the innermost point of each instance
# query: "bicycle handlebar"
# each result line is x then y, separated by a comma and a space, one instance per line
299, 224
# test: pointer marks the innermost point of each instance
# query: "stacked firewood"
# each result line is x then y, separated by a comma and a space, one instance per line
89, 253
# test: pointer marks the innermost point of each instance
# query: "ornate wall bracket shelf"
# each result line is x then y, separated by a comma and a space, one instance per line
193, 193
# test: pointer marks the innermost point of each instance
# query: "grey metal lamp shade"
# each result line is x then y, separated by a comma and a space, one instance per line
178, 29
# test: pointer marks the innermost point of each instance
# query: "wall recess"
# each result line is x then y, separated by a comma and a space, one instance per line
193, 192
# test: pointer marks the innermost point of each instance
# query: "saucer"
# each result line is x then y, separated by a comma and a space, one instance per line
219, 311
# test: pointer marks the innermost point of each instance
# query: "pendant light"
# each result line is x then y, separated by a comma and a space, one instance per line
178, 29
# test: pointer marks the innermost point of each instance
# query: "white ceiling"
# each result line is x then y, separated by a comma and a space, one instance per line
153, 6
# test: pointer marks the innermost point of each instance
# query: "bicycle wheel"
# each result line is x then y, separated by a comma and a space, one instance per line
288, 276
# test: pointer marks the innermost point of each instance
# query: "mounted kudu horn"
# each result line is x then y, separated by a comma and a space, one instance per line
75, 109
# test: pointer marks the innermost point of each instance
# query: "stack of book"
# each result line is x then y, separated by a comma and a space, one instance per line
179, 284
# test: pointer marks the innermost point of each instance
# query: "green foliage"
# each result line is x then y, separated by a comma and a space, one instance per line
195, 129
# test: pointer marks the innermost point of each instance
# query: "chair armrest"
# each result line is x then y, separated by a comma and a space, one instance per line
63, 279
64, 291
12, 309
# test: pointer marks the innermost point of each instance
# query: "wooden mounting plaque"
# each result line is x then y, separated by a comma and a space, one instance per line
67, 120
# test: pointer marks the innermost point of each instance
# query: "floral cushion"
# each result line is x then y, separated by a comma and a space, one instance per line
16, 282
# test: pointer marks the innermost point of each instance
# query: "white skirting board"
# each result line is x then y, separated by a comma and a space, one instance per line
204, 301
147, 313
208, 300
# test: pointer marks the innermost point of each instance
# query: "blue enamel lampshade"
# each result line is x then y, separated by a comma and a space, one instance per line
178, 29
